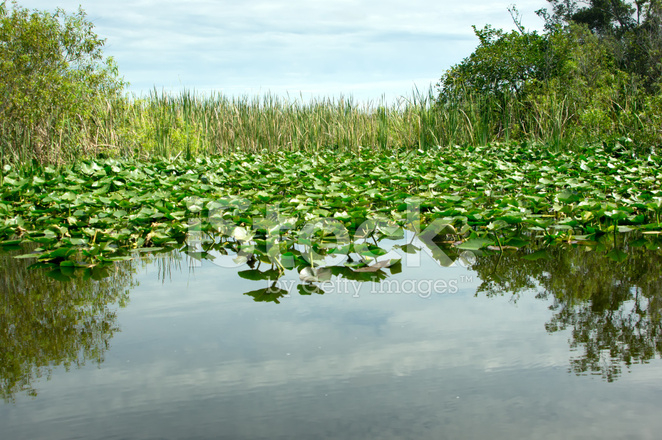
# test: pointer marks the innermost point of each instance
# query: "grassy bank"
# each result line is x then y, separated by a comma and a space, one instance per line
189, 125
571, 85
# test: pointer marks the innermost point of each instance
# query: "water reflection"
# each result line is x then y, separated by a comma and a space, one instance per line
613, 309
46, 323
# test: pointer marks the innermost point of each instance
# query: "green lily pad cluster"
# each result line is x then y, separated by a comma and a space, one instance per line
499, 196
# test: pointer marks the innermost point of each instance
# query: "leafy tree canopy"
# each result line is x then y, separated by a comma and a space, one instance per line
632, 31
502, 63
594, 73
52, 73
601, 16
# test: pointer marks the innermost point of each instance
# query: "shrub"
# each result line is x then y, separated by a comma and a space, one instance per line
53, 79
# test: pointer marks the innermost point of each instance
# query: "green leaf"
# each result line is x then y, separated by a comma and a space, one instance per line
119, 258
475, 244
270, 294
407, 248
516, 242
617, 255
256, 275
57, 274
538, 255
309, 289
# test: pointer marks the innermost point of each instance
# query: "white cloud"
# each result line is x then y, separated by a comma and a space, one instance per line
326, 47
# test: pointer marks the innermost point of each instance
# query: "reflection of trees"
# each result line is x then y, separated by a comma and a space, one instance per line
45, 323
613, 309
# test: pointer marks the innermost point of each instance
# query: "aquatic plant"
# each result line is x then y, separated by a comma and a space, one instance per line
495, 196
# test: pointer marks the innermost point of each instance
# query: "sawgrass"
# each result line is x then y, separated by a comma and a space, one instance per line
189, 125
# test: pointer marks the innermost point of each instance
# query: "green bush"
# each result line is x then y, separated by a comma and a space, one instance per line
53, 81
566, 86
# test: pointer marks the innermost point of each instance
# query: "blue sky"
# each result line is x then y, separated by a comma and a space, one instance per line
366, 49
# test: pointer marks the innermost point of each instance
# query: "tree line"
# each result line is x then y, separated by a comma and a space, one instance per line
593, 73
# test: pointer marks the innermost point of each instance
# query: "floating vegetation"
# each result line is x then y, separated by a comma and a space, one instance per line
495, 197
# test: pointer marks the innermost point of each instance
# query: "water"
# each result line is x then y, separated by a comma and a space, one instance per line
562, 348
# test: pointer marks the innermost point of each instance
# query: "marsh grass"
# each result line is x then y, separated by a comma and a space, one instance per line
189, 124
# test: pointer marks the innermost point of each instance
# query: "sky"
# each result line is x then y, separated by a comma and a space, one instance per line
370, 50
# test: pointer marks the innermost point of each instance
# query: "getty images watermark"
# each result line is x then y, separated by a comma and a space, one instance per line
277, 225
423, 288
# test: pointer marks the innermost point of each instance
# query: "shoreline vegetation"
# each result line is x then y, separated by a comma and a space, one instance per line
552, 135
187, 124
588, 78
534, 162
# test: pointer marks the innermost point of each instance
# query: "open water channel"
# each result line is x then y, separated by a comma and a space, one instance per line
492, 346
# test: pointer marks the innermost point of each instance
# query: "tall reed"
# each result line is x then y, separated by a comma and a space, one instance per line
189, 124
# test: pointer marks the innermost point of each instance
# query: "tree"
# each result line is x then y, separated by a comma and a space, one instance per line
488, 86
631, 30
606, 16
53, 77
644, 42
503, 63
562, 82
601, 16
594, 74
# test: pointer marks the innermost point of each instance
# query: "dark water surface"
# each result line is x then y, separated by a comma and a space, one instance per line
500, 347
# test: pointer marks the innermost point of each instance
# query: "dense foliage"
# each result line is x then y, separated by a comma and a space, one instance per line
594, 74
98, 211
53, 81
